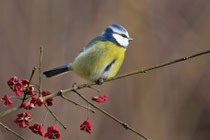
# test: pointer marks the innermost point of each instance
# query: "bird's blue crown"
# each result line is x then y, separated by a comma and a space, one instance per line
119, 27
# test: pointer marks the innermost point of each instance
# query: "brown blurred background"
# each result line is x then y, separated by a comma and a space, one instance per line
171, 103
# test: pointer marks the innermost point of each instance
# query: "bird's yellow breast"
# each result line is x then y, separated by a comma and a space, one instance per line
91, 63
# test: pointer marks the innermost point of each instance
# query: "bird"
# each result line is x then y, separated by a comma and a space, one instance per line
101, 58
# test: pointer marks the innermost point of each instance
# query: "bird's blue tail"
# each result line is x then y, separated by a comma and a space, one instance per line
57, 70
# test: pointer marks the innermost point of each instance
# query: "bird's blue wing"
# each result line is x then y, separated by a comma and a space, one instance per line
91, 43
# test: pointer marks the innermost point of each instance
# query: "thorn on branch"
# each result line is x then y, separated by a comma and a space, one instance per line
143, 70
74, 86
60, 93
185, 58
125, 125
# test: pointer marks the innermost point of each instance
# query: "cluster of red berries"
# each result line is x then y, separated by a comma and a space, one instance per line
19, 86
23, 119
100, 99
85, 126
23, 86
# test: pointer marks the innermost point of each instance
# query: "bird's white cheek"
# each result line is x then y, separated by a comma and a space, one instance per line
121, 40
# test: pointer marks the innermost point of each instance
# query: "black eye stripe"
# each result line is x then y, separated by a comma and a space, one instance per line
123, 35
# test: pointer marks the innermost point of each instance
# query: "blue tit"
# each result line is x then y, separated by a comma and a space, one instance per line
101, 58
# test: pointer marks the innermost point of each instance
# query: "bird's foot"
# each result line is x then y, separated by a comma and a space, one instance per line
100, 81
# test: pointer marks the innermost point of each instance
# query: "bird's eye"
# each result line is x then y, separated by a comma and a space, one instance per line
124, 35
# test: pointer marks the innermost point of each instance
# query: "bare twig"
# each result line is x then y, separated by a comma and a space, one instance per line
113, 78
13, 132
144, 70
56, 118
4, 113
40, 71
69, 100
112, 117
40, 88
32, 74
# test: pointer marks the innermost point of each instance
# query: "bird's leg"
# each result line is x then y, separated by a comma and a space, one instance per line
100, 81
